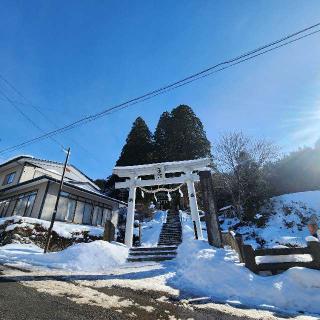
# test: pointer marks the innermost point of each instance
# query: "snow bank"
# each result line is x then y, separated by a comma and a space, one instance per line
63, 229
96, 256
217, 273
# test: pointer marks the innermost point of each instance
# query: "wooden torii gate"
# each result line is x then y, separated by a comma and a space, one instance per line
184, 172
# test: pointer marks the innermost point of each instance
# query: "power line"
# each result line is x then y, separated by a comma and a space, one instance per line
38, 109
194, 77
27, 117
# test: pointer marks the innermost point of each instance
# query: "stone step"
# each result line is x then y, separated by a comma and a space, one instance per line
152, 253
158, 248
150, 258
171, 231
170, 236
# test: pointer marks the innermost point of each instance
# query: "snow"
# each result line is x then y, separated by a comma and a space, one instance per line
217, 273
16, 157
197, 271
151, 229
312, 239
286, 220
226, 207
63, 229
94, 256
284, 258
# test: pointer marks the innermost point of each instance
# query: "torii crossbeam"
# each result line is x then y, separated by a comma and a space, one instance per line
185, 172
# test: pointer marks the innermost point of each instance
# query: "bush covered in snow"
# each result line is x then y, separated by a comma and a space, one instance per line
18, 229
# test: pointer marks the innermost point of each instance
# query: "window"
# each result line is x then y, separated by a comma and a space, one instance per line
97, 216
87, 213
24, 204
9, 178
71, 210
30, 203
107, 214
3, 207
62, 209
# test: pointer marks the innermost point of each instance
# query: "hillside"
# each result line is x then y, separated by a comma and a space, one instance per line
282, 222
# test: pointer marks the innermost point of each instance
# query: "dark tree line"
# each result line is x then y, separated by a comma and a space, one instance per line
296, 172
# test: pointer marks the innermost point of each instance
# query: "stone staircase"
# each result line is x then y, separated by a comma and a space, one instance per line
171, 231
138, 254
169, 239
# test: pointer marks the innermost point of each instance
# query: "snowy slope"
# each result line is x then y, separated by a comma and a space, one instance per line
286, 221
217, 273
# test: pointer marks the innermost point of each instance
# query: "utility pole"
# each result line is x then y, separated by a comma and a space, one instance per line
57, 202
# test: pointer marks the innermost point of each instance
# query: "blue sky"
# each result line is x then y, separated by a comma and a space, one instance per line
74, 58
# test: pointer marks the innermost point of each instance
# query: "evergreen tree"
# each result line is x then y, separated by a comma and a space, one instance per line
139, 145
181, 136
162, 137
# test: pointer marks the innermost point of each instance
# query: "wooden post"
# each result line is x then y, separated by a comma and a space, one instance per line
195, 230
109, 231
212, 223
314, 247
249, 258
239, 242
140, 233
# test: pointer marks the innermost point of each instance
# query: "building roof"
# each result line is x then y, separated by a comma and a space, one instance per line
73, 176
46, 178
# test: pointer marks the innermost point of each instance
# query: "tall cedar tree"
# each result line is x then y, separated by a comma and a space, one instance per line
162, 135
139, 145
180, 136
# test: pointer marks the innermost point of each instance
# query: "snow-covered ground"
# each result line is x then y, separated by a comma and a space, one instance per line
286, 223
96, 256
217, 273
151, 229
199, 271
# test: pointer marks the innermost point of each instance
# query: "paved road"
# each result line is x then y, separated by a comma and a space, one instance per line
18, 301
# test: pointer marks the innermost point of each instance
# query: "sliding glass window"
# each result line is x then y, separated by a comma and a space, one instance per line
3, 207
87, 213
24, 204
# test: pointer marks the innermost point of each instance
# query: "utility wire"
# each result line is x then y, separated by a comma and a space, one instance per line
27, 117
194, 77
38, 109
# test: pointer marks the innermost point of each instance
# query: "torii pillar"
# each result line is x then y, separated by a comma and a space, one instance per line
194, 205
130, 216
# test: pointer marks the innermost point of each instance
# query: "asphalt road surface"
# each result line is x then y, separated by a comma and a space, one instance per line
19, 302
